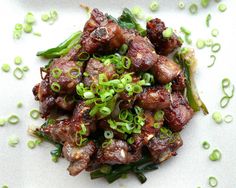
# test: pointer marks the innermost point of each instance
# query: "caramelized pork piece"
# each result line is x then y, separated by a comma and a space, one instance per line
179, 113
165, 70
163, 46
178, 84
79, 157
148, 131
45, 96
154, 98
129, 35
65, 102
162, 147
65, 130
101, 35
66, 73
115, 152
142, 54
94, 68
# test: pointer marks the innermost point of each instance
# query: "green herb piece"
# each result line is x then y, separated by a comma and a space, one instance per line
4, 186
215, 155
205, 3
193, 8
53, 16
108, 134
127, 21
13, 141
228, 118
25, 68
154, 6
31, 144
209, 42
37, 34
45, 17
55, 87
6, 67
28, 28
181, 4
18, 26
212, 181
215, 32
208, 19
17, 34
222, 7
63, 48
215, 47
167, 33
19, 105
185, 30
13, 119
200, 44
205, 145
35, 114
18, 73
38, 142
2, 122
217, 117
185, 57
29, 18
18, 60
137, 12
213, 62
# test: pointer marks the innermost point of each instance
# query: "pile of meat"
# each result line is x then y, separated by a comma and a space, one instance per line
148, 54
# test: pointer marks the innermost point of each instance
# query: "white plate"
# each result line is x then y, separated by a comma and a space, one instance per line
21, 167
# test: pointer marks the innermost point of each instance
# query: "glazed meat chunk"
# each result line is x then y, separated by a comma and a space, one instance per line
79, 157
66, 73
45, 96
65, 130
179, 113
163, 46
165, 70
101, 35
154, 98
114, 153
162, 147
94, 68
142, 54
178, 84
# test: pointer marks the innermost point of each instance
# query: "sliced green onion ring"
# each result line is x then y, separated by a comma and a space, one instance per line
55, 87
215, 32
18, 73
215, 155
181, 4
205, 145
35, 114
215, 47
74, 72
222, 7
217, 117
228, 118
193, 8
2, 122
13, 119
224, 101
108, 134
213, 62
200, 44
56, 72
105, 111
83, 56
212, 181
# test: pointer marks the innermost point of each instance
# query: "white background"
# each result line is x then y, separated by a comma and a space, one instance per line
21, 167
